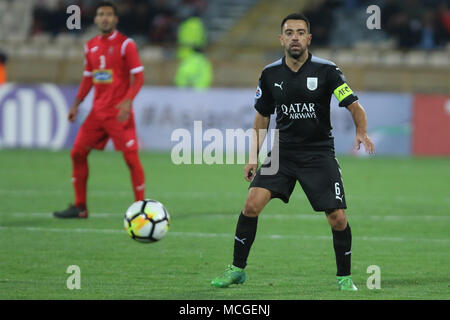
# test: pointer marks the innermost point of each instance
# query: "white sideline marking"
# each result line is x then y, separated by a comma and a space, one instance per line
220, 235
190, 194
267, 216
128, 192
50, 215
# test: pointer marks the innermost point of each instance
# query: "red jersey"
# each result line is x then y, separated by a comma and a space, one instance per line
110, 60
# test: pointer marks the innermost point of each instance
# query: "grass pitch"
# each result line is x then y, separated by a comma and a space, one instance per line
398, 209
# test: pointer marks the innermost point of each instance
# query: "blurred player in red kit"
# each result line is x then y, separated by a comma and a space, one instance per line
113, 67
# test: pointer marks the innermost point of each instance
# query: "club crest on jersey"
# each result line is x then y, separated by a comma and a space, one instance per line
258, 93
102, 76
311, 83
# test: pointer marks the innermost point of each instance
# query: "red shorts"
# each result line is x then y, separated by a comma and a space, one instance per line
95, 132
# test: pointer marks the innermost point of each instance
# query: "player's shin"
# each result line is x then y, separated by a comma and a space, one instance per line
342, 243
137, 174
243, 240
80, 171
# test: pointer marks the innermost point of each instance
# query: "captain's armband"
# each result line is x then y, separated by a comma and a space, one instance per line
342, 92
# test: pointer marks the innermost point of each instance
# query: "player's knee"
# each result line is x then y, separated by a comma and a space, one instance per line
129, 163
131, 159
252, 208
78, 154
337, 219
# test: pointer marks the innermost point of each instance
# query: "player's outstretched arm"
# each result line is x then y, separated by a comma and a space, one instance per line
260, 125
360, 120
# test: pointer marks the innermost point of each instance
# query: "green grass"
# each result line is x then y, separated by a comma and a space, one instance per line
398, 209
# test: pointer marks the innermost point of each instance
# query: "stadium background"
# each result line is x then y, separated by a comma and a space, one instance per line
401, 74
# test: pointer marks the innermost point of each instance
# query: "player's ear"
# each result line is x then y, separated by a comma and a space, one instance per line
309, 39
96, 19
280, 36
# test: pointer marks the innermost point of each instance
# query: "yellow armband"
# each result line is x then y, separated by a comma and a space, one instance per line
342, 92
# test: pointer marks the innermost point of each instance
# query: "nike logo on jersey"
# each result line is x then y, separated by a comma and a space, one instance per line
94, 49
280, 85
129, 143
240, 240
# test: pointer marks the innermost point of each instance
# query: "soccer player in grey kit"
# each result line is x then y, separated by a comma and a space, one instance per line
299, 88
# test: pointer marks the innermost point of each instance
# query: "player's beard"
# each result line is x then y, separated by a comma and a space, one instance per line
296, 54
107, 28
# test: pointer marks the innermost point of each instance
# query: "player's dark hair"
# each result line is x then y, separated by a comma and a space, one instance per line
106, 4
296, 16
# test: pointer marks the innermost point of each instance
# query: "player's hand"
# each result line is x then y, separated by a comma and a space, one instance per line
365, 140
124, 110
250, 171
73, 111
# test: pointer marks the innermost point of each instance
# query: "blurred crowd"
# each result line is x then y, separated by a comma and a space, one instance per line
175, 23
154, 21
423, 24
418, 24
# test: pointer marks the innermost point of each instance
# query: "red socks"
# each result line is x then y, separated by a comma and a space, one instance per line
137, 173
80, 173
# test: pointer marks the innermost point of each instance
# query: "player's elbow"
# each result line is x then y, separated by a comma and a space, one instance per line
139, 79
261, 121
355, 107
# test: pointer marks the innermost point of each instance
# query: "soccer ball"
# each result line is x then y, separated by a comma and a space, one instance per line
147, 221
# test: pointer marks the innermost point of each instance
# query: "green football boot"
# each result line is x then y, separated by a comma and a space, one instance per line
345, 283
232, 275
